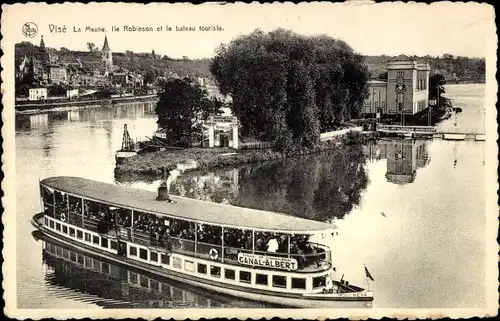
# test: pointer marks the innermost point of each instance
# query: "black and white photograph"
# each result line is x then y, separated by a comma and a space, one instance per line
313, 160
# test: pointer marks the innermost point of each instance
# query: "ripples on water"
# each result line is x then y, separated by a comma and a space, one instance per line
411, 210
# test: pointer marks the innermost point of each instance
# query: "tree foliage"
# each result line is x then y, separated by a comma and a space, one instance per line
91, 46
181, 107
288, 88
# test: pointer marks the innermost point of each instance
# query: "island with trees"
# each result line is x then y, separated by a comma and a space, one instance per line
286, 89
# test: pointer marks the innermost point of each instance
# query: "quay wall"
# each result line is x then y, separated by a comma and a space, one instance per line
77, 103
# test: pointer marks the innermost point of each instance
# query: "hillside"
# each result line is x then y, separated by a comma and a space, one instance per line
138, 62
454, 69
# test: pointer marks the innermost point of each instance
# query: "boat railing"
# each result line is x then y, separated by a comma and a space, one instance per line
305, 261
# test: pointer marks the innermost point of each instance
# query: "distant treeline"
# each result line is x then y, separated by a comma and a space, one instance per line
454, 69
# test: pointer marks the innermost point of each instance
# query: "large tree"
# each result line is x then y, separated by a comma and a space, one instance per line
181, 107
287, 88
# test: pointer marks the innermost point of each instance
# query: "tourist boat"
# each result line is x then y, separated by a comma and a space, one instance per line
252, 254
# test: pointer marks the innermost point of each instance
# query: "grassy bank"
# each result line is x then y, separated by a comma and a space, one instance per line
157, 162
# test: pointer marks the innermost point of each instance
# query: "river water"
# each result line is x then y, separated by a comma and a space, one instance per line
412, 211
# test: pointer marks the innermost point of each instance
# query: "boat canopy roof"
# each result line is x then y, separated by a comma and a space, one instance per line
185, 208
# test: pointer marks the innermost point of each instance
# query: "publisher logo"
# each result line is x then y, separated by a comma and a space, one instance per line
30, 29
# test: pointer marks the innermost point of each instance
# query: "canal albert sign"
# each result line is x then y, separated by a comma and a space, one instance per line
267, 261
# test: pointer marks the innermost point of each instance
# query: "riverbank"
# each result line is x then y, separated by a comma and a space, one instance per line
27, 108
157, 163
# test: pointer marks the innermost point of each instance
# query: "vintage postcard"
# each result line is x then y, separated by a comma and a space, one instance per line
314, 160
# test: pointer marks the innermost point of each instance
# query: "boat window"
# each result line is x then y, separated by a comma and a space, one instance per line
319, 281
97, 216
143, 254
235, 241
72, 256
95, 239
58, 226
261, 279
47, 194
75, 205
202, 268
48, 210
298, 283
133, 251
215, 271
153, 256
104, 242
208, 234
245, 276
189, 266
271, 242
51, 224
65, 229
229, 274
114, 245
71, 231
87, 237
123, 217
79, 234
165, 259
61, 200
80, 259
75, 211
177, 263
46, 221
279, 281
149, 229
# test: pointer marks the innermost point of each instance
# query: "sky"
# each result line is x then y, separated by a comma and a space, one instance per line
461, 29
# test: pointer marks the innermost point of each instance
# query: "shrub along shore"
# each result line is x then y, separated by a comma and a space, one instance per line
156, 163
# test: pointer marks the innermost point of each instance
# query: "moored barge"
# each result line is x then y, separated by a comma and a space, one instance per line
252, 254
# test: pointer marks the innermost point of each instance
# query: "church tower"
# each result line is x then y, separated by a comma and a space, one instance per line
107, 56
42, 45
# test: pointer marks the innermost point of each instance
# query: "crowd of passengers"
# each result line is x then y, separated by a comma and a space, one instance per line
161, 231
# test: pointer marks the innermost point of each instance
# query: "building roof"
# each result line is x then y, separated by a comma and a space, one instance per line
186, 208
401, 58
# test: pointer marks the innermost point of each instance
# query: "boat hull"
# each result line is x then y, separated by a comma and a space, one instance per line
351, 300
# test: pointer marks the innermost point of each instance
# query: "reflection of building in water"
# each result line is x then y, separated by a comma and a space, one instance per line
74, 115
116, 285
404, 157
38, 121
123, 111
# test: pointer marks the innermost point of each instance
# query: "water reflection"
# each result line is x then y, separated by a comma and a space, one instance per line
110, 285
404, 157
319, 187
45, 120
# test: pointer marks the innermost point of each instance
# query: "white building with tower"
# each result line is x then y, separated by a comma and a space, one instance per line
406, 91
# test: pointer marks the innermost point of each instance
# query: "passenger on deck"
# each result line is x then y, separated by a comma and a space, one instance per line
272, 245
